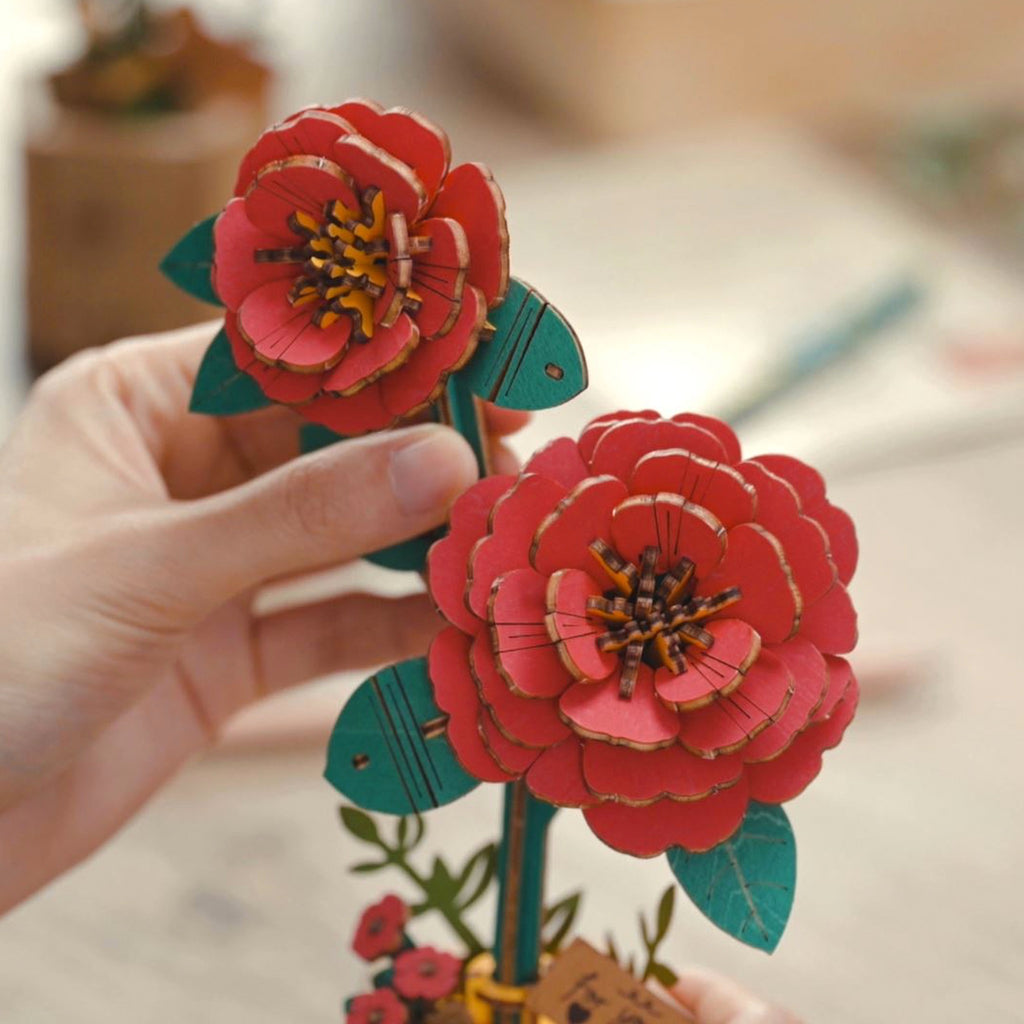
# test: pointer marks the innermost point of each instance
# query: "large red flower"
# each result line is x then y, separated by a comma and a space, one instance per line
649, 627
380, 929
356, 268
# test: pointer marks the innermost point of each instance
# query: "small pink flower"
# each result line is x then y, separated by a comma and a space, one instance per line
426, 973
380, 1007
380, 928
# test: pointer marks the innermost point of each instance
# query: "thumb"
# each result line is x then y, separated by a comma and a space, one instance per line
321, 509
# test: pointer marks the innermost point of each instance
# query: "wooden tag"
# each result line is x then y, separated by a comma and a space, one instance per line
585, 987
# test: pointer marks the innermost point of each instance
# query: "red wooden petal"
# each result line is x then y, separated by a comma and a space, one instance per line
831, 622
438, 276
789, 774
471, 196
563, 539
513, 522
754, 562
512, 757
804, 479
669, 522
575, 631
624, 444
448, 558
559, 460
839, 676
455, 694
721, 430
235, 241
310, 132
731, 722
284, 334
356, 415
810, 681
596, 711
695, 825
842, 539
303, 183
524, 653
594, 430
557, 776
715, 673
804, 542
530, 721
412, 138
372, 167
367, 361
277, 384
413, 386
715, 486
642, 776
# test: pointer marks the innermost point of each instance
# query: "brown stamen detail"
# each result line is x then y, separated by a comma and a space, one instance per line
653, 618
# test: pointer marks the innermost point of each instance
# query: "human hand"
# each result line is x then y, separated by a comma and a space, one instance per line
711, 998
133, 540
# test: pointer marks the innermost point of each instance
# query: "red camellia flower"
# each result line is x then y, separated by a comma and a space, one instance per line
426, 973
380, 1007
380, 928
356, 268
649, 627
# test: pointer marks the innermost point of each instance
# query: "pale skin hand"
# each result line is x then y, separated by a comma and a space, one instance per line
134, 537
711, 998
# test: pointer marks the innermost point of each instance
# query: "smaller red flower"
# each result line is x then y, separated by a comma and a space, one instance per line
426, 973
380, 1007
380, 928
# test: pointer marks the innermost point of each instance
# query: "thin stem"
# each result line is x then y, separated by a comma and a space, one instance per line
449, 913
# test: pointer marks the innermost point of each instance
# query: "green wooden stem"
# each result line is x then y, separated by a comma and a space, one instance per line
460, 409
521, 856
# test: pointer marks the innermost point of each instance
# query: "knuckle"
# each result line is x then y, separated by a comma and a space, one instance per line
81, 368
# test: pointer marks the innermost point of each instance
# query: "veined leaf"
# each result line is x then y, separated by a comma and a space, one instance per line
190, 262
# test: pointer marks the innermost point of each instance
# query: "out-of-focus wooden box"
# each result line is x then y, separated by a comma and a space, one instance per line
107, 197
623, 67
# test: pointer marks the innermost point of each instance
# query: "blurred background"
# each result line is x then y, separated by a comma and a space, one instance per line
807, 216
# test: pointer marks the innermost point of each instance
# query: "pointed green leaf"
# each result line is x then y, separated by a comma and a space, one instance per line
389, 750
367, 867
483, 865
534, 360
746, 884
662, 974
561, 916
189, 263
361, 825
221, 388
665, 908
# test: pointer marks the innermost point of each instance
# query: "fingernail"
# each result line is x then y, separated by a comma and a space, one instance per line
427, 473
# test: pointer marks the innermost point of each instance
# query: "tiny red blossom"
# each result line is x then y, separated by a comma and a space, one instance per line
426, 973
380, 928
379, 1007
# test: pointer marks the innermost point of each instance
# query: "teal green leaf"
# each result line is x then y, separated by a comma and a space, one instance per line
409, 555
221, 388
313, 437
746, 884
189, 263
533, 361
389, 750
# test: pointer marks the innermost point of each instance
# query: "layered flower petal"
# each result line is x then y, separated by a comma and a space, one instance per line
277, 384
439, 274
303, 183
623, 444
372, 167
389, 348
557, 776
471, 196
236, 271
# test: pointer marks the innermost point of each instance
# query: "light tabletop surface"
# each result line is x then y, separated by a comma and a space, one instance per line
228, 899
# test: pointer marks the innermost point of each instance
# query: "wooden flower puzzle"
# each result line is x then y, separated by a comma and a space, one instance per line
643, 626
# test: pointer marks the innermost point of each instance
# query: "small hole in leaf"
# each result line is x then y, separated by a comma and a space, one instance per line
361, 761
554, 371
